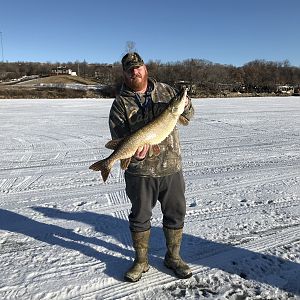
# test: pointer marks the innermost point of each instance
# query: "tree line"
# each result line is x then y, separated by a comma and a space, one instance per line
202, 76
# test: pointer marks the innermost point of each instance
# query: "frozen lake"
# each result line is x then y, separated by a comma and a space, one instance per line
64, 234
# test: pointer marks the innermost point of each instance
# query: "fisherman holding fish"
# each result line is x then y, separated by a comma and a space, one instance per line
145, 138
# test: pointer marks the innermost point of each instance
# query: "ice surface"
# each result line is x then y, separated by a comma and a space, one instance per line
64, 234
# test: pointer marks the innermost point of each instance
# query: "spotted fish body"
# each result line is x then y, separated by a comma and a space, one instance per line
151, 134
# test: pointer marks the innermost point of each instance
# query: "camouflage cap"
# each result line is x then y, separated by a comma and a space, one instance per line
131, 60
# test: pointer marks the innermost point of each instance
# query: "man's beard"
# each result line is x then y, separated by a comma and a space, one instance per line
137, 82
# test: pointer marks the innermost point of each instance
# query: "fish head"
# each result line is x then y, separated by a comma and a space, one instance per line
177, 104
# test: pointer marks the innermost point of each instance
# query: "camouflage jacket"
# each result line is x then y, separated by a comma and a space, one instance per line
131, 111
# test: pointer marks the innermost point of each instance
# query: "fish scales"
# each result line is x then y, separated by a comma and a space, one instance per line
152, 134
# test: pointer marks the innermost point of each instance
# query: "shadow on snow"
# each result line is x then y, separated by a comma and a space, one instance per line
245, 263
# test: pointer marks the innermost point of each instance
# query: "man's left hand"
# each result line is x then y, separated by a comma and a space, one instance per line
141, 152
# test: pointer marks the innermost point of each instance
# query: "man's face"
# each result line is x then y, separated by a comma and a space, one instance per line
136, 78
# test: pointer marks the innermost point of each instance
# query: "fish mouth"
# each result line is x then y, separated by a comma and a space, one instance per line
182, 91
180, 95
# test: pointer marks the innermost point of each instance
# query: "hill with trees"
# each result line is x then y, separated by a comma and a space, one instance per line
204, 78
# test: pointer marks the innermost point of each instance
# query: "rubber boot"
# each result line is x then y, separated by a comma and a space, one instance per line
172, 259
140, 265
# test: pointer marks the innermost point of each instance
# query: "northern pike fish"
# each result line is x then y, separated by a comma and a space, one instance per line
151, 134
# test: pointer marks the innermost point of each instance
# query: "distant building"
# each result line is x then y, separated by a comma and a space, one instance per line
60, 70
297, 90
237, 87
183, 83
285, 89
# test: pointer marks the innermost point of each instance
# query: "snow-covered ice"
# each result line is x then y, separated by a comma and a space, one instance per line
64, 234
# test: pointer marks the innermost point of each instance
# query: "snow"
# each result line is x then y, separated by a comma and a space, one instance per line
64, 233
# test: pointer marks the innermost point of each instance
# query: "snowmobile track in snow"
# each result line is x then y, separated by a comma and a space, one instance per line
154, 277
241, 164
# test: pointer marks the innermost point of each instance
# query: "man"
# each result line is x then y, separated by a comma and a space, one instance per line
150, 177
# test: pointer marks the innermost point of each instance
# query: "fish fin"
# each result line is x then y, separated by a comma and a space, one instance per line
113, 144
183, 121
125, 163
103, 166
150, 151
154, 150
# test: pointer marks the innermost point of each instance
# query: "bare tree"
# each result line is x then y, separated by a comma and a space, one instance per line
258, 76
130, 46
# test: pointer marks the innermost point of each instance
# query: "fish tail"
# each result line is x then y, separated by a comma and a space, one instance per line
102, 165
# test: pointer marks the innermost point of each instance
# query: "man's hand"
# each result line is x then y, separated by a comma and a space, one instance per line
141, 152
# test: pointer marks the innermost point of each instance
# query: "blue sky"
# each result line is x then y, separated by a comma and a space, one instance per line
231, 32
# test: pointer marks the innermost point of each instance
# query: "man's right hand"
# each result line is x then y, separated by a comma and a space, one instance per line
141, 152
